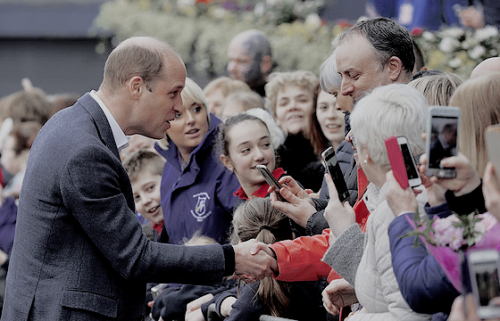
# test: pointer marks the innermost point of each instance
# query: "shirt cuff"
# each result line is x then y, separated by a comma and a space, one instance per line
229, 259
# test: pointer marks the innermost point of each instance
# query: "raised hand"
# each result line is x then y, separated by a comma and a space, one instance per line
298, 205
338, 215
338, 294
399, 200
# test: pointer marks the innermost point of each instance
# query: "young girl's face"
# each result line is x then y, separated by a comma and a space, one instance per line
249, 145
330, 118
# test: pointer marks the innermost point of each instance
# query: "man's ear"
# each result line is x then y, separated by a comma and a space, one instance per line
266, 64
134, 87
395, 68
227, 162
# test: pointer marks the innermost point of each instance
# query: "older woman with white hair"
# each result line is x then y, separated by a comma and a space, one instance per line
387, 111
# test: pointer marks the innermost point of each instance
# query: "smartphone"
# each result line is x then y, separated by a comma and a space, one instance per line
484, 276
332, 165
270, 179
442, 140
492, 137
410, 165
397, 161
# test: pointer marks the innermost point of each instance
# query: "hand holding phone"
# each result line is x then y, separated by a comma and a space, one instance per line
332, 165
271, 180
442, 140
483, 266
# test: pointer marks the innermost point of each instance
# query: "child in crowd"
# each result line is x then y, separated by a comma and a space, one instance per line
244, 141
240, 101
144, 168
171, 302
15, 152
217, 91
257, 219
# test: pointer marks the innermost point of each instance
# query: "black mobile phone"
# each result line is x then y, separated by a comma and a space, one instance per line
333, 167
484, 276
411, 167
271, 180
442, 140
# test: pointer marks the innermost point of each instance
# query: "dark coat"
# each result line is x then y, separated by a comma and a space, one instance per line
79, 252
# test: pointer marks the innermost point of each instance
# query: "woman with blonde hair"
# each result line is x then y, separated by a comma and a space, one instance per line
292, 97
479, 102
197, 191
437, 88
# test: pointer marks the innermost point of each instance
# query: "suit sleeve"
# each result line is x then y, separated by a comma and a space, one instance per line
94, 188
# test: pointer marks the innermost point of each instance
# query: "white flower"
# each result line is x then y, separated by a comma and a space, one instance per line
469, 43
185, 3
313, 20
486, 33
453, 32
449, 44
259, 9
479, 230
477, 52
219, 13
455, 63
428, 36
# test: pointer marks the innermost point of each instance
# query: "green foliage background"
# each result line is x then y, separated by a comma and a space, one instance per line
201, 30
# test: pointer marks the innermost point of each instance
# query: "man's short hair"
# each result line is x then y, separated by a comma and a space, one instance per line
387, 37
145, 59
143, 159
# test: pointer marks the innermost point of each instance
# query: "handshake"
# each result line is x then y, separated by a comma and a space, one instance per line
254, 261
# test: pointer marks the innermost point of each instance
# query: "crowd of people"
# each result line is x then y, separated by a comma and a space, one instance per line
142, 199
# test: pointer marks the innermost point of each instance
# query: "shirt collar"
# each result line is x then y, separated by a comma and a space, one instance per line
121, 140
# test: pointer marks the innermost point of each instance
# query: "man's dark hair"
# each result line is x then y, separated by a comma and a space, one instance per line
388, 38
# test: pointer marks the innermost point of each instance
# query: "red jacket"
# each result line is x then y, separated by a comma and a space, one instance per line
301, 259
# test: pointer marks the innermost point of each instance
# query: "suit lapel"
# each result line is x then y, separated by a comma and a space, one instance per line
101, 122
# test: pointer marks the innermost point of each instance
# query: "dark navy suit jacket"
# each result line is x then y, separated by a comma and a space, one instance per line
79, 252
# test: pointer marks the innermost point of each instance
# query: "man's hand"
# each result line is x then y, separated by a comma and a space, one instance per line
339, 216
298, 206
338, 294
254, 262
399, 200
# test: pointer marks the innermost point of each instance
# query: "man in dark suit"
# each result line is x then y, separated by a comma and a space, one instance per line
79, 252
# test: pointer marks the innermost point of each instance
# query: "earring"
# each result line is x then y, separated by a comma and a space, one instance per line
365, 162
